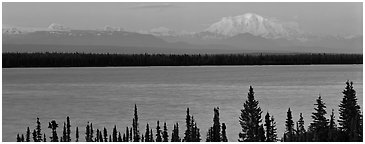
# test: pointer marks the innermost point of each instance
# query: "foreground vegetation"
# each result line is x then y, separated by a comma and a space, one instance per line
100, 60
254, 128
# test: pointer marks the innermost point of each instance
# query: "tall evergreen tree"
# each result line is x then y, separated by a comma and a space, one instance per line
350, 119
44, 137
216, 127
127, 133
130, 135
261, 134
91, 132
158, 132
136, 137
22, 138
274, 136
301, 132
27, 136
289, 124
188, 133
175, 133
147, 134
120, 137
35, 136
64, 134
124, 138
268, 128
38, 131
18, 138
115, 135
224, 134
209, 135
68, 129
332, 129
106, 134
87, 133
165, 134
151, 136
320, 122
77, 134
53, 126
250, 119
97, 136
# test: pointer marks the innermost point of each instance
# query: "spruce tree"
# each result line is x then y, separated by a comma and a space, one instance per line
165, 134
332, 129
22, 138
68, 129
27, 136
35, 136
158, 132
216, 134
301, 132
91, 132
350, 119
120, 137
127, 133
106, 134
268, 128
77, 134
97, 136
110, 138
209, 135
289, 130
151, 136
320, 122
187, 137
224, 134
53, 126
124, 138
18, 138
147, 134
175, 133
87, 133
261, 134
274, 136
136, 137
64, 134
44, 137
130, 135
115, 135
38, 131
250, 119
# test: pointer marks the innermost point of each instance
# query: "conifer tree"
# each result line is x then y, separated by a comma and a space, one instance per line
350, 119
53, 126
44, 137
136, 137
97, 136
151, 136
77, 134
91, 132
64, 136
175, 133
187, 137
127, 133
100, 136
110, 138
268, 128
38, 130
87, 133
320, 122
18, 138
147, 134
68, 130
209, 135
124, 138
224, 134
332, 129
22, 138
250, 119
120, 137
158, 132
142, 138
289, 124
115, 137
301, 132
216, 133
165, 134
106, 134
274, 136
130, 135
27, 136
35, 136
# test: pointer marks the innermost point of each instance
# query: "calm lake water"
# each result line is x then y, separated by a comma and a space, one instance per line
106, 96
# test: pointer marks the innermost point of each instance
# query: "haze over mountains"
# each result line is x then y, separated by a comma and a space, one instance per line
243, 33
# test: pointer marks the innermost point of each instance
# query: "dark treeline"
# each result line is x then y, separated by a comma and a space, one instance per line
254, 127
100, 60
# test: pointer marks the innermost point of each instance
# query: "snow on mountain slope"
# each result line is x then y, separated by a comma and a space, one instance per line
255, 25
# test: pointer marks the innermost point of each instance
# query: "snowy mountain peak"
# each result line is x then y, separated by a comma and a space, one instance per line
256, 25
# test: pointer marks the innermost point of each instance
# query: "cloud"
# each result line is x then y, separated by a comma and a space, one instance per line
154, 6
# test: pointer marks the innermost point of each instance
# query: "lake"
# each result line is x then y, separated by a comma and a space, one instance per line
106, 96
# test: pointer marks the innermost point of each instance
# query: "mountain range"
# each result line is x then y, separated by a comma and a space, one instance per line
238, 34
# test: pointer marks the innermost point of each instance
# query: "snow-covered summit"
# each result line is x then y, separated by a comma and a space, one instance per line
256, 25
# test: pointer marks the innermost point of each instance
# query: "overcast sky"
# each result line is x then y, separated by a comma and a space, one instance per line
324, 18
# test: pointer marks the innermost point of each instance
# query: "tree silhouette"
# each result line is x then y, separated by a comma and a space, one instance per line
158, 132
175, 133
350, 115
216, 135
68, 130
289, 124
320, 122
147, 134
27, 136
53, 126
332, 128
301, 132
38, 131
77, 134
250, 119
115, 135
165, 134
106, 135
224, 134
136, 137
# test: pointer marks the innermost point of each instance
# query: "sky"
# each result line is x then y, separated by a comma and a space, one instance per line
319, 18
